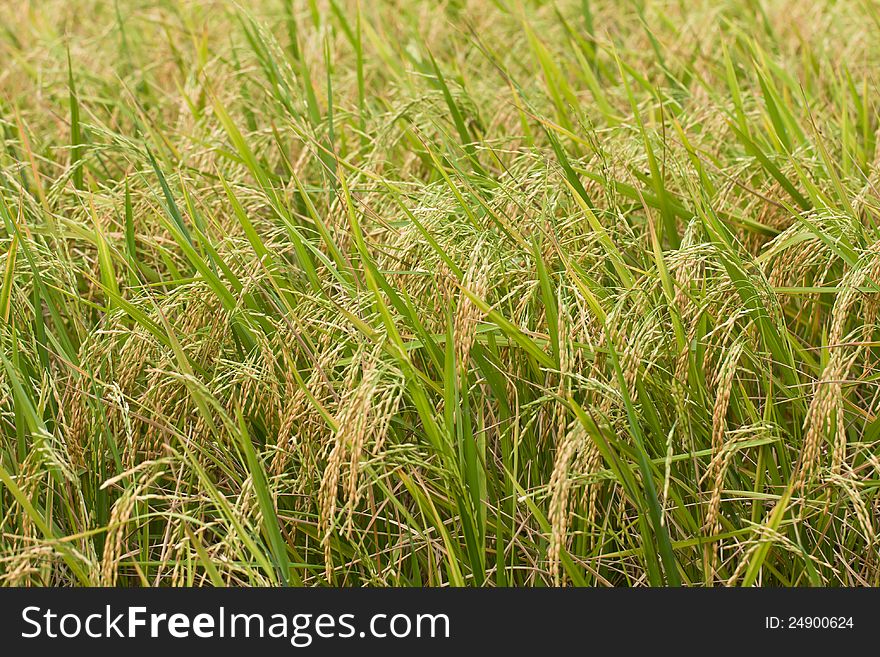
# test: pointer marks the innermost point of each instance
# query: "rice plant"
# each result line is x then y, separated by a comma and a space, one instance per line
459, 293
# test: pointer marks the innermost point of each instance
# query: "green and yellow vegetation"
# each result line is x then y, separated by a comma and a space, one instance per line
470, 292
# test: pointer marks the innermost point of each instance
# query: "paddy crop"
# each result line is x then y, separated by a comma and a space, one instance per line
470, 293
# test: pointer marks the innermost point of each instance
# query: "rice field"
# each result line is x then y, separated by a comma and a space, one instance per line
458, 293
